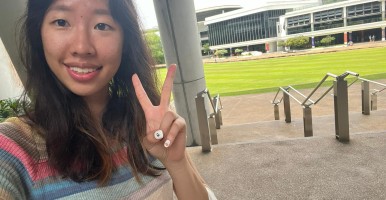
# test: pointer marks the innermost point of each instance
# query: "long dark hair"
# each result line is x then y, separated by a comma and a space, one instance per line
77, 146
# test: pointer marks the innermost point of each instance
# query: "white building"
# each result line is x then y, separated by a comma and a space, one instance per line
260, 28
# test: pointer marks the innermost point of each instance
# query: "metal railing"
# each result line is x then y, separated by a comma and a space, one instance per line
340, 104
370, 99
208, 121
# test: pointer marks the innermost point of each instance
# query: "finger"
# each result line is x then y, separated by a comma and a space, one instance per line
171, 124
141, 93
159, 135
168, 86
175, 129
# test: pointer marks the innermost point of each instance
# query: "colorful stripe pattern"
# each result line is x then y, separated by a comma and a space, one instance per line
25, 173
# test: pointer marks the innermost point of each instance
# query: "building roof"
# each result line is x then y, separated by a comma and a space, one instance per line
214, 10
260, 7
326, 7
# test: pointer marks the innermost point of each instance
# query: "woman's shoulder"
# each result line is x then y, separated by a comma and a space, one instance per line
17, 137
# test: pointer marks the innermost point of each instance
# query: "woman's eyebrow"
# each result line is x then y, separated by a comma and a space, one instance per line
65, 8
102, 12
60, 8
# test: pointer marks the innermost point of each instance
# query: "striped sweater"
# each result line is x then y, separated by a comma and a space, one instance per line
25, 173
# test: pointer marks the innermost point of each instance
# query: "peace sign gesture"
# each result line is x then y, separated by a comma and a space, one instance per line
165, 130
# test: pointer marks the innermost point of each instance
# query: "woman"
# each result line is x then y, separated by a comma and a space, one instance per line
91, 132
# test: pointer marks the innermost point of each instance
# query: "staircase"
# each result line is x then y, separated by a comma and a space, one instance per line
260, 158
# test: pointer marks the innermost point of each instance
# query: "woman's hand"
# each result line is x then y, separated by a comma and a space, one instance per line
166, 131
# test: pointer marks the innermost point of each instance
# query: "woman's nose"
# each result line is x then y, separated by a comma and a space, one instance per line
82, 44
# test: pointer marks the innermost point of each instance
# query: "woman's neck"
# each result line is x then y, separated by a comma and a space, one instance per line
97, 104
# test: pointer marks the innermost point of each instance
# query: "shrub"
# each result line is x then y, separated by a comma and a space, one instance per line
238, 51
328, 40
221, 52
10, 108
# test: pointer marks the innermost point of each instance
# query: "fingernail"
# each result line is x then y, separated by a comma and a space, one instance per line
159, 134
167, 143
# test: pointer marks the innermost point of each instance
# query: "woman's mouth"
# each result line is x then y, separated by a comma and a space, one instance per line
83, 70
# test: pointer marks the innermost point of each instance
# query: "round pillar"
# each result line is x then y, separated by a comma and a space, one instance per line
180, 39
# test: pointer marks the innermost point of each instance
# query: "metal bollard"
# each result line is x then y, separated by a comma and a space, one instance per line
218, 116
276, 112
287, 107
203, 123
212, 129
342, 132
374, 103
218, 119
307, 122
365, 98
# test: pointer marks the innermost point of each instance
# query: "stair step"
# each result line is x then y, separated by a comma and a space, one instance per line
278, 130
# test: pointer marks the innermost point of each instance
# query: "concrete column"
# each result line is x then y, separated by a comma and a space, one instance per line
344, 16
272, 47
313, 41
312, 22
178, 29
230, 52
350, 36
383, 33
362, 36
383, 10
11, 11
267, 47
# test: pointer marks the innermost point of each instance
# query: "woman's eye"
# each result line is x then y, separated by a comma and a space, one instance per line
61, 22
102, 27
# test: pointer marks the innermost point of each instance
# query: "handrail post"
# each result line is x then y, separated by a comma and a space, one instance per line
374, 103
276, 111
341, 110
203, 122
287, 107
218, 116
365, 98
307, 121
212, 129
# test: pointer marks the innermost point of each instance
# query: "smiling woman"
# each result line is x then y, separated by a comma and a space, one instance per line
89, 131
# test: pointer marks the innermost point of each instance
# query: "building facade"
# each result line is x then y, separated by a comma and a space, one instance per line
201, 14
261, 28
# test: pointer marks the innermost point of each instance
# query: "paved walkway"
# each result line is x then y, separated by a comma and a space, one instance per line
303, 168
259, 158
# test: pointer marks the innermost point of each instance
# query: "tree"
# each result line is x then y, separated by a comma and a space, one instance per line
328, 40
299, 42
238, 51
154, 42
220, 52
206, 48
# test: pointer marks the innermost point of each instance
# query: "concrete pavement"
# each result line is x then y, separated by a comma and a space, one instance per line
259, 158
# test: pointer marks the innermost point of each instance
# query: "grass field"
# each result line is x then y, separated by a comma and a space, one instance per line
304, 71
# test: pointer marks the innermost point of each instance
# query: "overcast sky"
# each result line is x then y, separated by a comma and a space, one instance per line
149, 20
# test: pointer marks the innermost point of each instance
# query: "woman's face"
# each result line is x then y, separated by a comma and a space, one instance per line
82, 45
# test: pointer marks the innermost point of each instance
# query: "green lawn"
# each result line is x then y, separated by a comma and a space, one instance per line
266, 75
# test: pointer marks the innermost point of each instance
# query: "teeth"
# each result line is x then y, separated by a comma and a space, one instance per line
83, 70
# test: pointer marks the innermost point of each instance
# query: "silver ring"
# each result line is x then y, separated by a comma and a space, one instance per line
159, 134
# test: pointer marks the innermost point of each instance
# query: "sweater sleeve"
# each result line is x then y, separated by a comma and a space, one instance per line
12, 171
